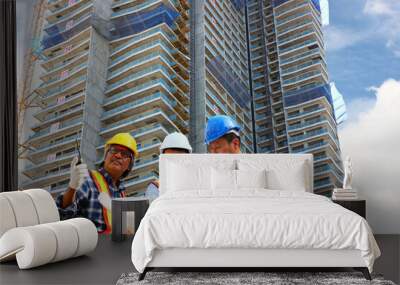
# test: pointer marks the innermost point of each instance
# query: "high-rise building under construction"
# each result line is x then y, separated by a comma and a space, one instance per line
152, 67
293, 106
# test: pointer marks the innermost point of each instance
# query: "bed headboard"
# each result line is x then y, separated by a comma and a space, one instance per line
263, 160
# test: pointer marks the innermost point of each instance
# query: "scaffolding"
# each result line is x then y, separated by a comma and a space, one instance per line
26, 98
57, 37
137, 22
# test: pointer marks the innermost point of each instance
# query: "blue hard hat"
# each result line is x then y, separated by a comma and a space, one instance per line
218, 126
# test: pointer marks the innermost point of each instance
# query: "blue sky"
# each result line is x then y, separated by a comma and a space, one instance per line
363, 47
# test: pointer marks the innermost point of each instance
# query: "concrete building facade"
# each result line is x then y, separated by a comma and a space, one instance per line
153, 67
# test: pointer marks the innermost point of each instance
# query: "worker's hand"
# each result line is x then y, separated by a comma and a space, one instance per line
78, 173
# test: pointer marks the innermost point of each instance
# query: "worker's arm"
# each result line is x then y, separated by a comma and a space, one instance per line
79, 203
68, 197
69, 201
78, 173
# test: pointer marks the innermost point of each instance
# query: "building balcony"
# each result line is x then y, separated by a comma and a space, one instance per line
263, 128
303, 77
144, 104
63, 77
137, 8
308, 135
66, 64
47, 93
57, 9
53, 118
300, 67
330, 158
295, 15
145, 88
261, 140
68, 32
280, 11
295, 37
148, 43
301, 56
47, 163
157, 51
311, 148
298, 25
139, 183
260, 118
73, 15
325, 183
135, 122
62, 26
261, 107
66, 56
46, 148
61, 187
48, 178
328, 170
305, 44
145, 73
56, 129
311, 123
59, 104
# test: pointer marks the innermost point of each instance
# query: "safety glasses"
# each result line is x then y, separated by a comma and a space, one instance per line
125, 154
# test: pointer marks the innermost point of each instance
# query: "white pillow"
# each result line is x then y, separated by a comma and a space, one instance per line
288, 177
251, 178
231, 180
223, 179
182, 177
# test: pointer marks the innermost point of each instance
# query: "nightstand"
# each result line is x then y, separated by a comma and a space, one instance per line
139, 205
357, 206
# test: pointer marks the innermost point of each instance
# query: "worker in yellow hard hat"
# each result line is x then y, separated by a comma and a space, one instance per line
89, 193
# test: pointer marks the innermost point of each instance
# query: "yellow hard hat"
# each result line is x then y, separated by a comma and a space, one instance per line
124, 139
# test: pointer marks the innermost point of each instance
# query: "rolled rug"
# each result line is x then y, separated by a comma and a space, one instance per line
23, 208
45, 206
32, 246
7, 220
37, 245
67, 240
87, 235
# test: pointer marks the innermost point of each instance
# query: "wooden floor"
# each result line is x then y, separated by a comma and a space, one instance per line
106, 264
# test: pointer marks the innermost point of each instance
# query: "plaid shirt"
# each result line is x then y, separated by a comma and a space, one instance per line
86, 203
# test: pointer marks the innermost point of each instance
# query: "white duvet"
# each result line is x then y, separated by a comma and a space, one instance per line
254, 218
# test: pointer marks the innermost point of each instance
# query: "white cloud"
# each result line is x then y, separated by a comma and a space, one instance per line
372, 139
339, 38
381, 7
380, 19
358, 107
387, 14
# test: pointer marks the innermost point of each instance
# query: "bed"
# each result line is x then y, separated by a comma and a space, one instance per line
245, 211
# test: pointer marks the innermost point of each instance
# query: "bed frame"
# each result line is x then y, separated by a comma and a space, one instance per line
239, 260
248, 259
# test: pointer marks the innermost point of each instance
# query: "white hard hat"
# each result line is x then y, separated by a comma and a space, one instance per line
176, 140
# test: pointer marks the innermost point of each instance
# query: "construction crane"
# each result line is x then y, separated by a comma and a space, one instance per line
26, 98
